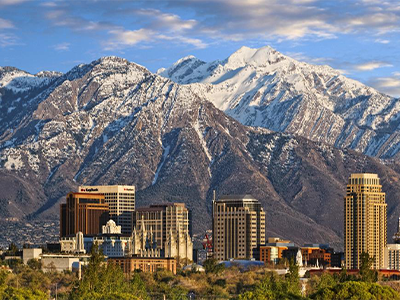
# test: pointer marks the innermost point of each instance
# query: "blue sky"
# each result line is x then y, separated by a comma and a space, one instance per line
360, 37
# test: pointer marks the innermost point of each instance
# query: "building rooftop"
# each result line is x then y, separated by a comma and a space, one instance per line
161, 206
364, 175
236, 197
86, 194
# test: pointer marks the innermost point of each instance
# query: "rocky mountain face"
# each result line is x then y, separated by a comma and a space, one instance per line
262, 87
114, 122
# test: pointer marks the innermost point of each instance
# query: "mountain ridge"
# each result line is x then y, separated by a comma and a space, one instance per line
262, 87
115, 122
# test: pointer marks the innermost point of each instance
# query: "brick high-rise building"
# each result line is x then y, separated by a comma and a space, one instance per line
365, 221
121, 202
83, 212
238, 226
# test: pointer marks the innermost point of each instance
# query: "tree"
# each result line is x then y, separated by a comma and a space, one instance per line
139, 287
104, 281
211, 266
366, 272
12, 249
356, 290
34, 264
273, 287
293, 279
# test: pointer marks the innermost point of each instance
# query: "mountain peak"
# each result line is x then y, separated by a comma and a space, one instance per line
181, 68
252, 56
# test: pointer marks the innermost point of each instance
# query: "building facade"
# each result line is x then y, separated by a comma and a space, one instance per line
83, 212
392, 251
145, 264
238, 226
121, 202
165, 227
272, 252
365, 221
111, 241
392, 257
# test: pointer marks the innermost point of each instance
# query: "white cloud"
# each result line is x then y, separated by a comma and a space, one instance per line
382, 41
233, 20
185, 40
126, 38
5, 24
60, 17
48, 4
388, 85
11, 2
8, 40
166, 21
62, 47
371, 65
123, 38
301, 56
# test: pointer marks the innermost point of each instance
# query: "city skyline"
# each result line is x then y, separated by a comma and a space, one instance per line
360, 38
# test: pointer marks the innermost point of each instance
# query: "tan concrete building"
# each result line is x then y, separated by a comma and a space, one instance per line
392, 251
165, 227
238, 226
31, 253
365, 221
62, 262
121, 201
392, 257
145, 264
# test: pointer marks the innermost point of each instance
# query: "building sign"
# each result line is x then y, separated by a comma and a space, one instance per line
89, 190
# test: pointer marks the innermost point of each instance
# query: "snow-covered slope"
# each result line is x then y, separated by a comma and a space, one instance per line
114, 122
20, 81
262, 87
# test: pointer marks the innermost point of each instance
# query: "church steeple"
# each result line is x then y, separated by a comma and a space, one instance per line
396, 237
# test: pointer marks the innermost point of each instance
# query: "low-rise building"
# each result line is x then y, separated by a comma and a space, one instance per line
62, 262
112, 242
145, 264
272, 251
30, 253
392, 257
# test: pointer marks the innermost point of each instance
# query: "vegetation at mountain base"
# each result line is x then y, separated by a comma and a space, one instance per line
107, 281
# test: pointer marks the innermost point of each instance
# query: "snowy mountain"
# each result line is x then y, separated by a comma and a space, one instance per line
262, 87
114, 122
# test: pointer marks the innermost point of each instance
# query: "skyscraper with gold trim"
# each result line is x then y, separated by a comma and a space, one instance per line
365, 221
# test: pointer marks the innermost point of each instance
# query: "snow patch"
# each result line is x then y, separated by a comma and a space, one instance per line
161, 164
14, 163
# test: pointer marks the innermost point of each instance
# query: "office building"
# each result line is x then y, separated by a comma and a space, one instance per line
365, 224
121, 202
165, 227
238, 226
83, 212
